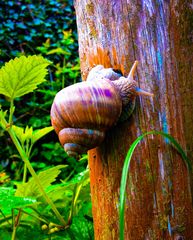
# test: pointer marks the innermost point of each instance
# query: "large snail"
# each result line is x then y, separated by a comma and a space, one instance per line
83, 112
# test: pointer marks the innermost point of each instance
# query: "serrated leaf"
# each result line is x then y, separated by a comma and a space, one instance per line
46, 177
80, 178
8, 201
28, 132
23, 134
37, 134
19, 131
22, 75
66, 189
81, 228
61, 196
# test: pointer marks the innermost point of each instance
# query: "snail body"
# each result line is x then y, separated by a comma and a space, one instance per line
83, 112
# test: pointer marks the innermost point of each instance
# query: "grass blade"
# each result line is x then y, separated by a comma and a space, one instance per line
127, 165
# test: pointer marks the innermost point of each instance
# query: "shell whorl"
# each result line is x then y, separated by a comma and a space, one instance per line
85, 105
99, 72
83, 112
78, 140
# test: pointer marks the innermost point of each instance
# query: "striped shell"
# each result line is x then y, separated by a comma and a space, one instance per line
81, 114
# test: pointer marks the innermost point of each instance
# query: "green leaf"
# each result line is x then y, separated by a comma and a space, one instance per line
8, 201
126, 171
81, 178
19, 131
29, 134
58, 51
23, 134
22, 75
37, 134
46, 177
60, 195
81, 228
67, 189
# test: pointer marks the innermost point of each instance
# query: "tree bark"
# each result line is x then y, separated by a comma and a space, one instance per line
158, 34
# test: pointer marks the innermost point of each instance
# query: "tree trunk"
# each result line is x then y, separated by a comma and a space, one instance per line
156, 33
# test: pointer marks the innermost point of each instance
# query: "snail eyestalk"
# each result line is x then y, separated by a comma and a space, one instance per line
139, 91
142, 92
133, 69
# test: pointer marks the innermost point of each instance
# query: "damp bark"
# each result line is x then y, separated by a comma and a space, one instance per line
158, 34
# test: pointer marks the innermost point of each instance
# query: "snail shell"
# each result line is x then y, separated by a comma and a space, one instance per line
83, 112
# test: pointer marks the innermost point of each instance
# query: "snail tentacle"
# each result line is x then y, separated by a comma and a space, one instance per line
140, 91
133, 69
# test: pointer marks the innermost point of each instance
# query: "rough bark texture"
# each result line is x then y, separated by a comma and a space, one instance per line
157, 33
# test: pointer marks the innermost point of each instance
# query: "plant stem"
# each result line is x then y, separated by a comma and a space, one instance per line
27, 151
11, 111
15, 224
34, 175
36, 217
6, 218
24, 173
13, 233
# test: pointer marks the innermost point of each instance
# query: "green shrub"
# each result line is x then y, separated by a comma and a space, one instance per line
26, 24
37, 207
47, 28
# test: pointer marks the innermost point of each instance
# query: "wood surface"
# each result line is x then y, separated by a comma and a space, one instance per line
158, 34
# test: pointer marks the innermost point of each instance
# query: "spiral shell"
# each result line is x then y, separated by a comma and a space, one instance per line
83, 112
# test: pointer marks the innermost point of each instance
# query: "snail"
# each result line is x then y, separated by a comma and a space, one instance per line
83, 112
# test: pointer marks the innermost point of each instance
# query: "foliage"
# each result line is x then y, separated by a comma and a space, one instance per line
9, 201
49, 28
37, 220
38, 203
17, 80
26, 24
65, 67
126, 166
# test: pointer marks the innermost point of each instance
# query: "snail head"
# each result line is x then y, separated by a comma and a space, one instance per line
128, 88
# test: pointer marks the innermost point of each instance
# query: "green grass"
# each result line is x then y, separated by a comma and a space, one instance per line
126, 166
